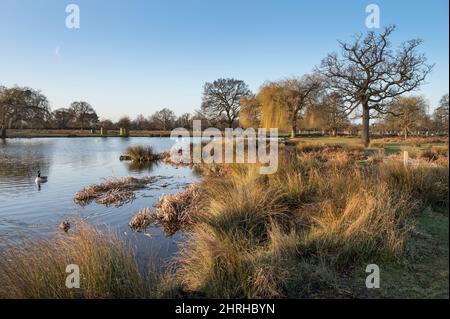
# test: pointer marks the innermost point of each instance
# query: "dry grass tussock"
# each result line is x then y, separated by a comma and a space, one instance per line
142, 220
174, 212
113, 191
140, 154
431, 156
325, 152
292, 233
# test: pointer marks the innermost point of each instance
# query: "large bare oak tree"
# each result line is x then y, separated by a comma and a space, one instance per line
368, 73
222, 98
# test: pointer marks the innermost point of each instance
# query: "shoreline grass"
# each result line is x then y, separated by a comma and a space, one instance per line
307, 231
298, 232
108, 267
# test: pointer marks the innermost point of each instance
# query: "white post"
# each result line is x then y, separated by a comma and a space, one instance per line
405, 158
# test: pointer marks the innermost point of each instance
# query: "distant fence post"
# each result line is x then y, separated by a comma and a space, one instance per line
405, 158
123, 132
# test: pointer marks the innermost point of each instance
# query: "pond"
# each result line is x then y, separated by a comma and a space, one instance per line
32, 211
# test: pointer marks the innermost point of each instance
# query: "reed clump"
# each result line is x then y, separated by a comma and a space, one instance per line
141, 154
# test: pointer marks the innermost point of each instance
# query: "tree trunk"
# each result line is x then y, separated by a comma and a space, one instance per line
366, 125
334, 132
406, 134
229, 120
294, 130
3, 132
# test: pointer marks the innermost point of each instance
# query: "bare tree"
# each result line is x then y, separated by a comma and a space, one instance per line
107, 124
200, 116
124, 122
223, 98
184, 120
84, 113
22, 104
62, 117
407, 113
333, 110
369, 74
164, 119
140, 122
250, 115
441, 114
299, 94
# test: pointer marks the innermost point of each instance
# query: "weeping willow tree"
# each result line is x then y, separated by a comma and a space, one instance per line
274, 111
283, 102
313, 118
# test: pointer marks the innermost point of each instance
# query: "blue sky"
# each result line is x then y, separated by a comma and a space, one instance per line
131, 57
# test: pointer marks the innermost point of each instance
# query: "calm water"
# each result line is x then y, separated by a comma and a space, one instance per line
71, 164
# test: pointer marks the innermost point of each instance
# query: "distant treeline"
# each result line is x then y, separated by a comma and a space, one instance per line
22, 107
367, 82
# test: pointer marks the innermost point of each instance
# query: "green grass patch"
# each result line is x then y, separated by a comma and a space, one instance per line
425, 272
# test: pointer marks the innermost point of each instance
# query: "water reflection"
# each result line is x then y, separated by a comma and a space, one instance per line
24, 168
19, 163
140, 167
72, 164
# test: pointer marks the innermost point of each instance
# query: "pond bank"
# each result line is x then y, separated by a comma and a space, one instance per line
35, 133
310, 230
307, 231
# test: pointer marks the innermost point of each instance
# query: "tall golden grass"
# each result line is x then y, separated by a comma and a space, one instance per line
326, 211
292, 233
108, 268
